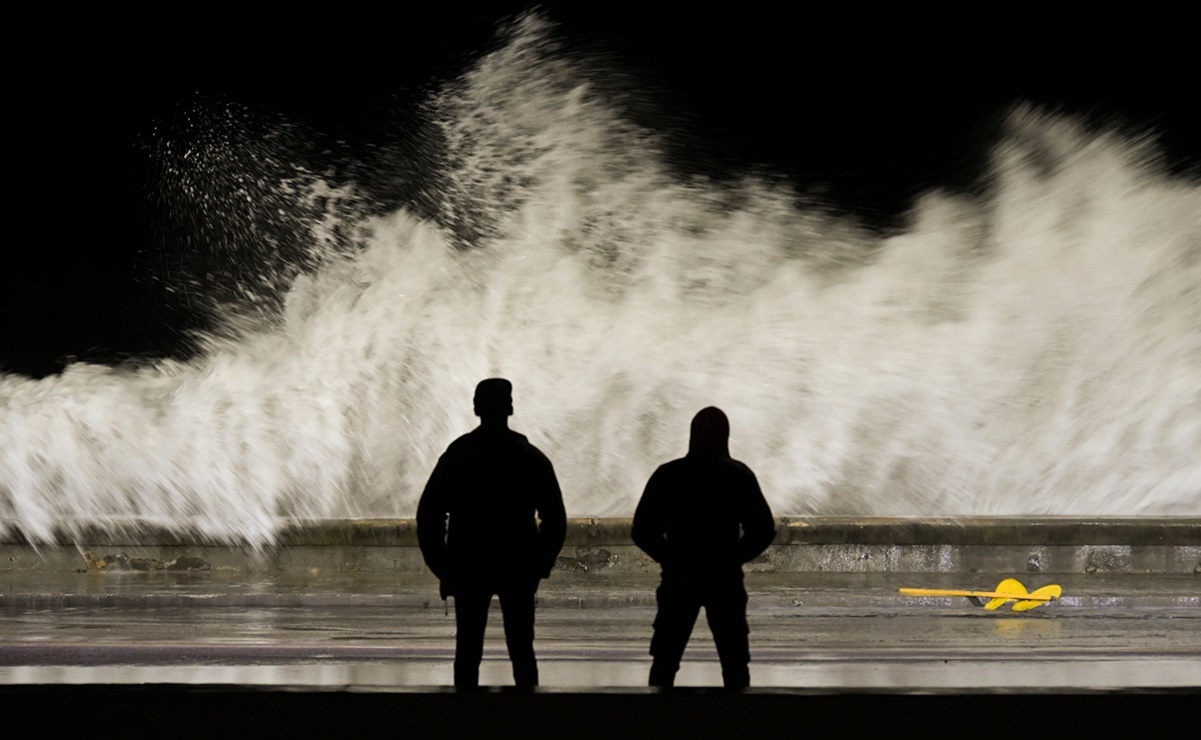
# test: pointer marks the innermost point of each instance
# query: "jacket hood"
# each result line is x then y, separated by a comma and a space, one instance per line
710, 433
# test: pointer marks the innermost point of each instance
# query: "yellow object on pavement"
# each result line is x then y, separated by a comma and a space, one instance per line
1007, 590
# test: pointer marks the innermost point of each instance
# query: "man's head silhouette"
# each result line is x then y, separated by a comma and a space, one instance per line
494, 398
710, 433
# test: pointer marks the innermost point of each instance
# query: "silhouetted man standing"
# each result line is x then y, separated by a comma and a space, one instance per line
701, 517
494, 487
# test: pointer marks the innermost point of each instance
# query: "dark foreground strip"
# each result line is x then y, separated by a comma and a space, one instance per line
189, 711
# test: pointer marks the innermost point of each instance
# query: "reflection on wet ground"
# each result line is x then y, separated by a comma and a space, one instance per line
851, 648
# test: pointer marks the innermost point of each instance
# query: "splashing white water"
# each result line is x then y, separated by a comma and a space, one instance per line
1033, 351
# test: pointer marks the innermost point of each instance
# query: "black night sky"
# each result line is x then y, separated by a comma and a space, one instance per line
865, 111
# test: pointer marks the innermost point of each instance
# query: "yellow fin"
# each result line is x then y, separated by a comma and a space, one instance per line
1048, 593
1045, 594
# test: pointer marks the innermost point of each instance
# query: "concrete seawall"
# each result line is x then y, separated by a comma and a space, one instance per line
1053, 545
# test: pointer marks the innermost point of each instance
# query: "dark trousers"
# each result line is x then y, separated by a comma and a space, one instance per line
680, 600
471, 617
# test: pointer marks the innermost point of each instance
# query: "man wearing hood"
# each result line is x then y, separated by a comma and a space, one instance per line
506, 526
701, 517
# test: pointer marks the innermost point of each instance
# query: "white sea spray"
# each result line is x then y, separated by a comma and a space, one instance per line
1033, 350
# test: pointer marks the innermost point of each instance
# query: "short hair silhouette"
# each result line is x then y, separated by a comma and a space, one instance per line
493, 397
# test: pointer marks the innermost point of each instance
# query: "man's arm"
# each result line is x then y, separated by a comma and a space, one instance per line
432, 512
552, 530
650, 522
758, 525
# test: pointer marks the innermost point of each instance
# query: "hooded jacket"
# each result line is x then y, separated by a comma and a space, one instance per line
704, 513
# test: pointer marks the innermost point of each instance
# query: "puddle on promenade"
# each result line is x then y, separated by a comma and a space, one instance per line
919, 675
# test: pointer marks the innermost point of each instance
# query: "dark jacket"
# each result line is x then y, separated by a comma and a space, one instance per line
704, 514
492, 511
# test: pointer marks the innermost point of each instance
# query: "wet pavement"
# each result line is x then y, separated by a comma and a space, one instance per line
811, 632
338, 630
